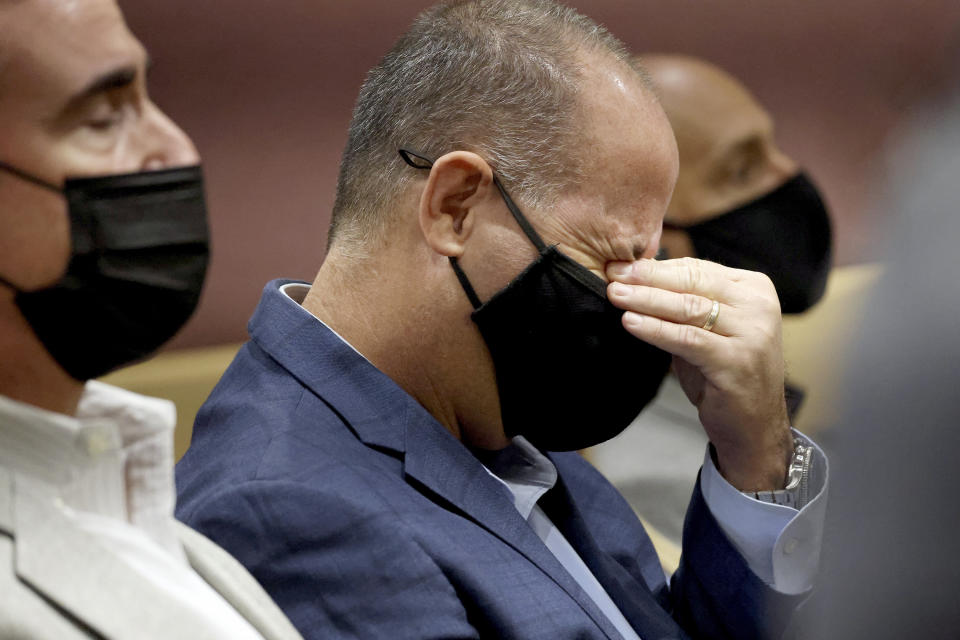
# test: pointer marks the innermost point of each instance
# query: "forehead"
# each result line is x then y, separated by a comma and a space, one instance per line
708, 108
52, 47
629, 165
628, 140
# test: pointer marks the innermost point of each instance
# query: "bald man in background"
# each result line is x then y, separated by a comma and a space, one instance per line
739, 201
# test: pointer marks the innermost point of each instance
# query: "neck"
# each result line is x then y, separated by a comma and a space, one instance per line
380, 309
28, 373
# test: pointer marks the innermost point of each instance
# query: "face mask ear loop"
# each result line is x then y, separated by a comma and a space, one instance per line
9, 285
418, 161
30, 178
33, 180
525, 226
465, 283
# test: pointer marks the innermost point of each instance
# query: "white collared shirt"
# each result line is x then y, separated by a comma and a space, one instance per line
109, 472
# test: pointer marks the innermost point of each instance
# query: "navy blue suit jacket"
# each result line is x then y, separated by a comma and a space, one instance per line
364, 518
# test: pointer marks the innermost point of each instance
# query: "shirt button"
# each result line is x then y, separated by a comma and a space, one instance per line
99, 439
790, 546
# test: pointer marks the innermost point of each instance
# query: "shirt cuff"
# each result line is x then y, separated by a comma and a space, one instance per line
780, 544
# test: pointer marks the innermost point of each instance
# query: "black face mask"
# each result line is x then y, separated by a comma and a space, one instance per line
785, 234
139, 256
569, 375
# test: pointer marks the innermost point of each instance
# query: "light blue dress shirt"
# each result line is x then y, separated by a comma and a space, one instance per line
780, 544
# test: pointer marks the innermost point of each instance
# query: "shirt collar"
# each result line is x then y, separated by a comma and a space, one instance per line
297, 292
526, 472
115, 458
44, 444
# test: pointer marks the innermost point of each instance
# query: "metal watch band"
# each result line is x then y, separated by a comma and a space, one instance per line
796, 493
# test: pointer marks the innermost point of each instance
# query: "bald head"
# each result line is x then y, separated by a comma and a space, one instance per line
728, 155
730, 164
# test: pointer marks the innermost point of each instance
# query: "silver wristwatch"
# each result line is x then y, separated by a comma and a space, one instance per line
796, 493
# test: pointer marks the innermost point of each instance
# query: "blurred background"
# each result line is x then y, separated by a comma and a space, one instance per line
266, 91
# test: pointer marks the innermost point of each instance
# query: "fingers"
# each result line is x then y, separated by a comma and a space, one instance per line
685, 275
669, 302
695, 345
678, 308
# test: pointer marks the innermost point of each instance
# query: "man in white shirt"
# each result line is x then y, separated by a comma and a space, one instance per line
103, 250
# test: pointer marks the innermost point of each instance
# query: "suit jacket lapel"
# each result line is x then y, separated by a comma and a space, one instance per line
443, 466
634, 600
385, 416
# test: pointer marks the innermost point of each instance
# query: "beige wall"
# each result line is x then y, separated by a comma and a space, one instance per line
266, 88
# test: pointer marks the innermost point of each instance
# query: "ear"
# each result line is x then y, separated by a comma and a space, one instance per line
459, 183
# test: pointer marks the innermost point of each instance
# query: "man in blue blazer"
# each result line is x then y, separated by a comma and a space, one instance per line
391, 454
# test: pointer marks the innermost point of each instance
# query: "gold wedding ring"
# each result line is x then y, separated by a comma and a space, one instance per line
712, 318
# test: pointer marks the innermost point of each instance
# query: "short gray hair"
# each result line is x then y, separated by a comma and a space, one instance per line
496, 77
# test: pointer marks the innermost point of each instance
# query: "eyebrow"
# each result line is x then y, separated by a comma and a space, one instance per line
731, 151
119, 78
735, 145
